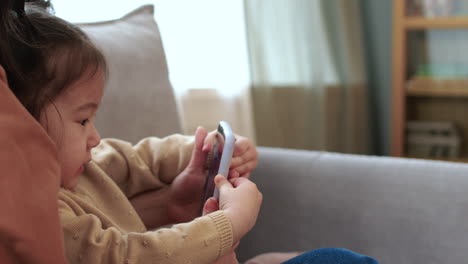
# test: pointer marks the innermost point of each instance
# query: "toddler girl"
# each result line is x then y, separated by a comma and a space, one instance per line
113, 196
120, 203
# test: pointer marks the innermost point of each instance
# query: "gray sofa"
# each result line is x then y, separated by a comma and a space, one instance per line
396, 210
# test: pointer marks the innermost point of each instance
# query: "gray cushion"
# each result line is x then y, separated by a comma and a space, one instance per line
138, 99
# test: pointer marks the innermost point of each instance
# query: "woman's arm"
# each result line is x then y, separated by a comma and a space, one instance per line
29, 184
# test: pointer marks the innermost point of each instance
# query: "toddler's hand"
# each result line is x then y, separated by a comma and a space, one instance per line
240, 199
244, 157
211, 205
229, 258
186, 191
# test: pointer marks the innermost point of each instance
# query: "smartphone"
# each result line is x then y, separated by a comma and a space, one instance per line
219, 159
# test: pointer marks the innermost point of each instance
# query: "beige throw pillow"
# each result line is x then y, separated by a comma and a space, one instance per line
138, 99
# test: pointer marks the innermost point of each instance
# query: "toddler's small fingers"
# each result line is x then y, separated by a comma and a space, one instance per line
246, 167
241, 146
238, 181
211, 205
247, 156
245, 175
233, 174
236, 161
198, 158
221, 182
209, 141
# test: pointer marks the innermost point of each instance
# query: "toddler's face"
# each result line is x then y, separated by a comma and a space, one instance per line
69, 121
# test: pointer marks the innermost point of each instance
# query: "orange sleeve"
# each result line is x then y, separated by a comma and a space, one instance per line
29, 184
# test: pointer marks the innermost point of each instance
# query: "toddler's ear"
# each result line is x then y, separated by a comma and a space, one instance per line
3, 77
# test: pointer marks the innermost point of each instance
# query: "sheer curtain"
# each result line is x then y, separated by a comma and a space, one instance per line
206, 49
308, 79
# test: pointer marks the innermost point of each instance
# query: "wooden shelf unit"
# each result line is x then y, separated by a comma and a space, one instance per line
402, 26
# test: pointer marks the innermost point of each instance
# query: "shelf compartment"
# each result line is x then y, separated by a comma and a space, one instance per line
440, 109
417, 23
438, 92
433, 87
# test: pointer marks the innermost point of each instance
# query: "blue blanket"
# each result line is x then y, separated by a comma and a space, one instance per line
331, 256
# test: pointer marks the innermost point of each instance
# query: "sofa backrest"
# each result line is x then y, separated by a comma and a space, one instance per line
138, 99
396, 210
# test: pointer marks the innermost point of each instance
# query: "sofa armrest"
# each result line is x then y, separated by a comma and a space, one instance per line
396, 210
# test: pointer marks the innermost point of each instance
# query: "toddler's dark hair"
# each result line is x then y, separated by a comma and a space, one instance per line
43, 54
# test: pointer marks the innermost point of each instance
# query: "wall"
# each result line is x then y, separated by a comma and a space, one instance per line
206, 107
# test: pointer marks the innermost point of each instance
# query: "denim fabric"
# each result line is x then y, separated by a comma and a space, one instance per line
331, 256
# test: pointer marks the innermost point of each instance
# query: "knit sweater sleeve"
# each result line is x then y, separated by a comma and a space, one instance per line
200, 241
150, 164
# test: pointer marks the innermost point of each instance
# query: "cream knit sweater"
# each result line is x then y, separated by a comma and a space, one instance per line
101, 226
